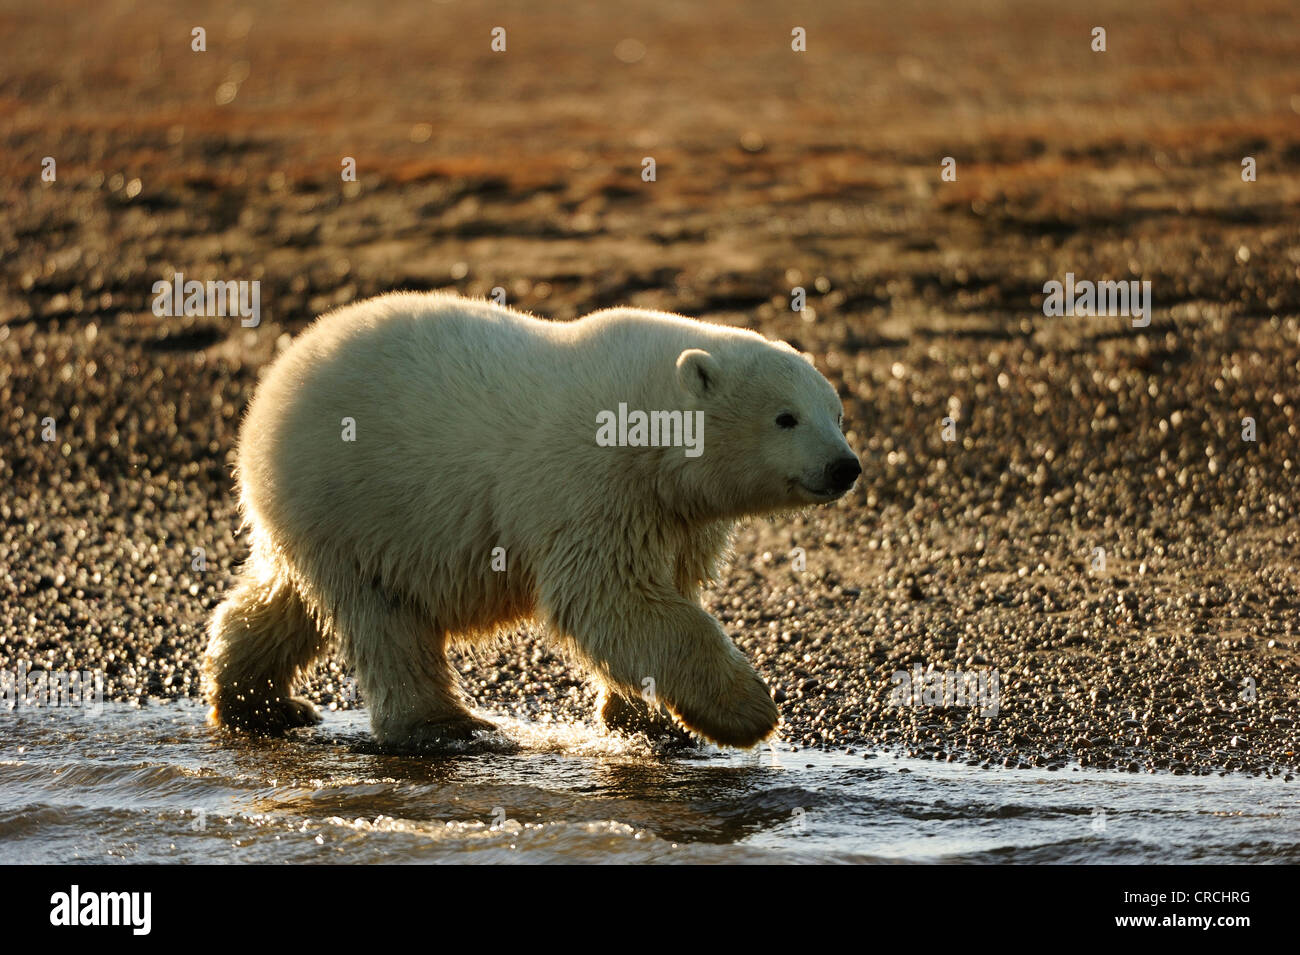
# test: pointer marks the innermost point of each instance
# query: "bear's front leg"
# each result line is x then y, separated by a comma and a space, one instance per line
731, 706
661, 641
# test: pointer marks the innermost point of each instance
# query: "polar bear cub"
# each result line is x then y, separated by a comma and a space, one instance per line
422, 468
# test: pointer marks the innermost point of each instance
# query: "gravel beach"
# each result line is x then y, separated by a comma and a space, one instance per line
1173, 650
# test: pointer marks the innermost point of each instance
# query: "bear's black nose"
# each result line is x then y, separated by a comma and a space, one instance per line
842, 473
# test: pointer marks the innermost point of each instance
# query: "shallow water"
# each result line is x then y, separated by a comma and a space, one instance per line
156, 784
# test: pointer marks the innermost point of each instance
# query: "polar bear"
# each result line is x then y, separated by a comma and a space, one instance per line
421, 468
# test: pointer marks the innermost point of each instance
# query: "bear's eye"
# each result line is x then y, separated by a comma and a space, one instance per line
786, 420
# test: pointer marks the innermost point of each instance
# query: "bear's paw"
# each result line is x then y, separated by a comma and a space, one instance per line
742, 714
268, 716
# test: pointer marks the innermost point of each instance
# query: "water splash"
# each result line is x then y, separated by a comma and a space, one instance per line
158, 784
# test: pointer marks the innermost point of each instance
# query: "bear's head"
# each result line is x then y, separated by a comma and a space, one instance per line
772, 427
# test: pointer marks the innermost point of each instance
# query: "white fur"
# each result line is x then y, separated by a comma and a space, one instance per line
476, 429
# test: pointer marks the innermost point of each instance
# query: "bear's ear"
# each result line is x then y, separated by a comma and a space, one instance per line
698, 372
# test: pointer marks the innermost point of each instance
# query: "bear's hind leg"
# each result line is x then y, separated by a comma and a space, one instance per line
402, 669
260, 638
